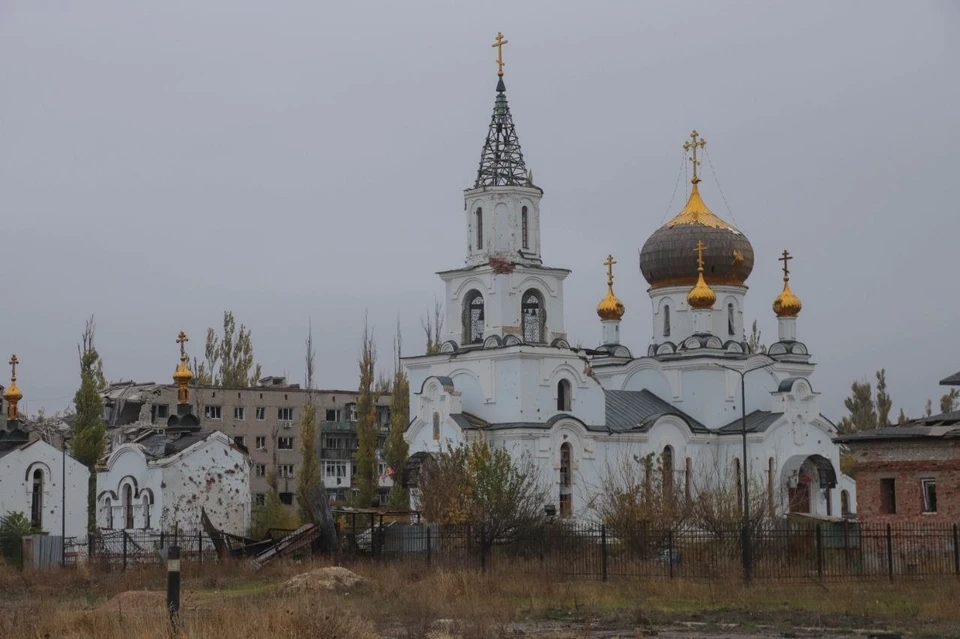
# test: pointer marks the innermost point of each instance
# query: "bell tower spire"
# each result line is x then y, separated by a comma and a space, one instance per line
501, 161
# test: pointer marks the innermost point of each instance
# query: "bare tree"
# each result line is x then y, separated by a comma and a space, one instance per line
432, 323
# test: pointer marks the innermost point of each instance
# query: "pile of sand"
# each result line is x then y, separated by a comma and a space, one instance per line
332, 579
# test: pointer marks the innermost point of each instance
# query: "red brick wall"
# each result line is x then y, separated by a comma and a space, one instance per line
908, 463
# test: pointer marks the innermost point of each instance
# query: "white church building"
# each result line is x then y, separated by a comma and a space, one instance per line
506, 369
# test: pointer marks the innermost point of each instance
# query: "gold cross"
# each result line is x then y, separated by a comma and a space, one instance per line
609, 264
499, 47
182, 339
786, 267
13, 365
700, 249
687, 146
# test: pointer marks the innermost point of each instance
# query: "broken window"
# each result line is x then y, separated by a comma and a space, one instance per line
286, 499
128, 507
929, 487
351, 412
285, 443
261, 413
844, 503
473, 318
259, 499
888, 495
238, 413
238, 440
333, 415
285, 414
211, 412
261, 442
286, 471
163, 411
260, 470
565, 465
532, 316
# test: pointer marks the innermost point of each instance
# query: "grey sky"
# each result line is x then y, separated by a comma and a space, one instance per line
162, 162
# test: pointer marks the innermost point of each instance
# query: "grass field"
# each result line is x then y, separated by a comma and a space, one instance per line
232, 600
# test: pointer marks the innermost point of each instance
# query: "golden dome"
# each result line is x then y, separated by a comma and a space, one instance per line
610, 307
787, 304
701, 296
12, 394
183, 373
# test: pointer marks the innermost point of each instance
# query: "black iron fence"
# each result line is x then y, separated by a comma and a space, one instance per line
125, 547
822, 552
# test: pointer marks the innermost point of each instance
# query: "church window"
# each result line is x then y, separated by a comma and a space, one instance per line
436, 425
730, 322
523, 228
666, 321
108, 506
563, 395
532, 316
666, 467
771, 487
565, 480
844, 503
473, 318
146, 512
688, 480
479, 223
127, 507
36, 502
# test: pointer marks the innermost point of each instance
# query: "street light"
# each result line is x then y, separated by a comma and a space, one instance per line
745, 524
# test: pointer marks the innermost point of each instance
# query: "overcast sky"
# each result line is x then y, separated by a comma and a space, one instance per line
161, 162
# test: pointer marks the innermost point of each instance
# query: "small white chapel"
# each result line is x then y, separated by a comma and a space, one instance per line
695, 396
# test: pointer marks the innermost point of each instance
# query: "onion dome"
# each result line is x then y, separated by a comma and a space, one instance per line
610, 307
701, 296
664, 259
12, 394
787, 304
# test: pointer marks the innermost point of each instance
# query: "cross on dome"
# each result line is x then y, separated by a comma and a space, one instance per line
610, 307
787, 304
693, 146
498, 45
182, 340
701, 296
786, 267
13, 367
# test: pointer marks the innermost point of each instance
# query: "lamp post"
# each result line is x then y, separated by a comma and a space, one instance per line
745, 524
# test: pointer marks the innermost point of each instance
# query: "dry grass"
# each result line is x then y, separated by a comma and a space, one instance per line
231, 600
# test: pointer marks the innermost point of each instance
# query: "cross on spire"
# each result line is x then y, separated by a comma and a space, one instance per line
13, 367
786, 267
182, 340
609, 264
692, 146
699, 250
498, 45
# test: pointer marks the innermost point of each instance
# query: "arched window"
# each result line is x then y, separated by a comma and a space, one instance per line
146, 512
666, 321
523, 228
666, 467
844, 503
730, 322
739, 483
563, 395
436, 425
36, 502
566, 480
473, 318
479, 226
688, 480
771, 487
127, 507
108, 506
533, 317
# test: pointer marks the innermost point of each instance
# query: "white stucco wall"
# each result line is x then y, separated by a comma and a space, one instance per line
16, 487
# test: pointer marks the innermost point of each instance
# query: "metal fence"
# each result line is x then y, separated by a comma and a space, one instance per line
125, 547
822, 552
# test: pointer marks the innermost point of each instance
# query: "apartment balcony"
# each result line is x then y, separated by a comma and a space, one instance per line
338, 453
338, 427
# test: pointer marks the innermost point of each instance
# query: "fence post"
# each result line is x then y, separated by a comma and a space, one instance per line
124, 549
956, 551
819, 552
429, 549
890, 552
603, 551
173, 587
670, 552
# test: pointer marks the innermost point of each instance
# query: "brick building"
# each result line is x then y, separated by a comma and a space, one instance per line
909, 473
266, 420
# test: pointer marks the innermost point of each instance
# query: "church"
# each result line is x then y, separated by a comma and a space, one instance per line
695, 397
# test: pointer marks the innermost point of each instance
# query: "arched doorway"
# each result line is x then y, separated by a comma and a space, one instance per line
808, 480
566, 480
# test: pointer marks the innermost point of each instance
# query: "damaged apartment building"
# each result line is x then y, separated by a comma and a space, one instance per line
265, 419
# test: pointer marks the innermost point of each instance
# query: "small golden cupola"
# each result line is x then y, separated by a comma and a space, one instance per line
701, 296
183, 376
610, 307
12, 394
787, 304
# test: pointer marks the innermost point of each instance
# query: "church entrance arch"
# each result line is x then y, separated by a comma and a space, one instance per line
806, 479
